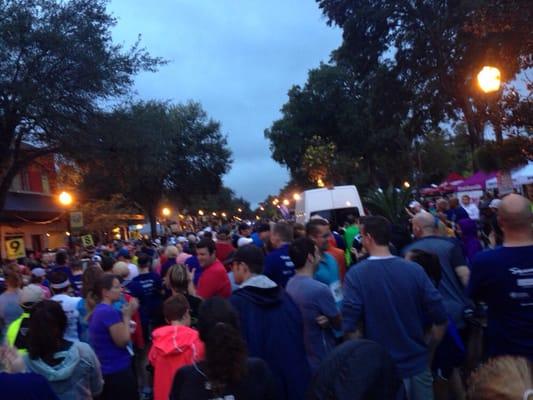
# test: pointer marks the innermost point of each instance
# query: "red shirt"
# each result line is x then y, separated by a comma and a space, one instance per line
224, 249
214, 281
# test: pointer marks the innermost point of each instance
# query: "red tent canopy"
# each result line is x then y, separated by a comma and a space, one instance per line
453, 177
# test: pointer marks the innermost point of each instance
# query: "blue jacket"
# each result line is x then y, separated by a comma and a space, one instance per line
271, 325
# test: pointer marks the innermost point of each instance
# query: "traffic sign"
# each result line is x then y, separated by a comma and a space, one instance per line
15, 248
76, 220
87, 240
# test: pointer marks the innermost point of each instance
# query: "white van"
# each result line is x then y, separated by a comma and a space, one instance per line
334, 204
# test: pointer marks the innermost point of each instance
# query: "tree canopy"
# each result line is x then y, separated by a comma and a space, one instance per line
436, 49
404, 69
58, 63
152, 150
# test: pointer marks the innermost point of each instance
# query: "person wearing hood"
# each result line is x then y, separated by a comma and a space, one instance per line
174, 345
227, 372
71, 368
271, 323
17, 383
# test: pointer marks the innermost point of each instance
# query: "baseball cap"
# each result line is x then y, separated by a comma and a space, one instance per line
495, 203
249, 254
244, 241
31, 294
123, 252
96, 258
38, 272
414, 203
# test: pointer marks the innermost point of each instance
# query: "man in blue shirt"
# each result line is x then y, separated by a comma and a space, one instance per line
455, 272
391, 301
316, 303
318, 230
278, 265
503, 278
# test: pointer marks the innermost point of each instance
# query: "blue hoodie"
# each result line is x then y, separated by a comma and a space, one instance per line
271, 325
76, 377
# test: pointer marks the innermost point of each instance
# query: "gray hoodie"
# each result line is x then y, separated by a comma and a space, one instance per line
77, 377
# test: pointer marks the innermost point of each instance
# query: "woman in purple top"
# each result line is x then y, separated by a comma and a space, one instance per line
109, 332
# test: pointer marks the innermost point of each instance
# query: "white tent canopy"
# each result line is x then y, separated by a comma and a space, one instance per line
521, 176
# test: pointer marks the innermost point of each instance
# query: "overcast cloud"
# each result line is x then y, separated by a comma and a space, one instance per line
238, 58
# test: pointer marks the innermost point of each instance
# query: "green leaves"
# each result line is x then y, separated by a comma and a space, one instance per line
389, 203
150, 150
58, 65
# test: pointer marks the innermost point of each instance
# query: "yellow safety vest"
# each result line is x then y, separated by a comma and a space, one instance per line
13, 331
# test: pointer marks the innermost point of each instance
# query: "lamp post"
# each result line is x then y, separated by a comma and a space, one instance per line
66, 200
489, 81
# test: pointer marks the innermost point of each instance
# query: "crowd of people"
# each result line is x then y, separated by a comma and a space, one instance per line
281, 310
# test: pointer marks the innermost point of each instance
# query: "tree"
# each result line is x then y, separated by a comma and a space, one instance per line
390, 203
440, 152
149, 151
436, 48
57, 65
345, 128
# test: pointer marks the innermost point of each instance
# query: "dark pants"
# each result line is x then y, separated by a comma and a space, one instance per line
120, 385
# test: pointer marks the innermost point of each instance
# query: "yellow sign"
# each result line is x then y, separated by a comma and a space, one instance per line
87, 240
15, 248
76, 220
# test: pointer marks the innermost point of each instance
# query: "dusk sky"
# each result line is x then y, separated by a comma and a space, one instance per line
238, 58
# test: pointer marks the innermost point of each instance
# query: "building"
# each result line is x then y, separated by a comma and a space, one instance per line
31, 211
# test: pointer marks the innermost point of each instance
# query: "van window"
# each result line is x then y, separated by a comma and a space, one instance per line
337, 217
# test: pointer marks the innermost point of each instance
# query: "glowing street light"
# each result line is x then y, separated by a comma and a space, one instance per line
406, 185
200, 212
275, 202
262, 208
320, 182
214, 214
489, 79
239, 209
65, 198
165, 211
296, 196
223, 214
139, 226
286, 202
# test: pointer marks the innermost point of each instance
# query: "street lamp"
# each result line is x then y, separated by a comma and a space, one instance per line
239, 209
406, 185
286, 202
200, 212
165, 211
489, 79
320, 183
296, 196
65, 198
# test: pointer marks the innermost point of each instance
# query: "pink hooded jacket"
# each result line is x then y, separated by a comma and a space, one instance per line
173, 347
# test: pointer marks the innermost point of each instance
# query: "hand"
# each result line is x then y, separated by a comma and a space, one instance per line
128, 309
134, 304
12, 360
322, 321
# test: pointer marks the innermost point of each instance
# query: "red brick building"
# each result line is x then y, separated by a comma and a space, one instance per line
31, 211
